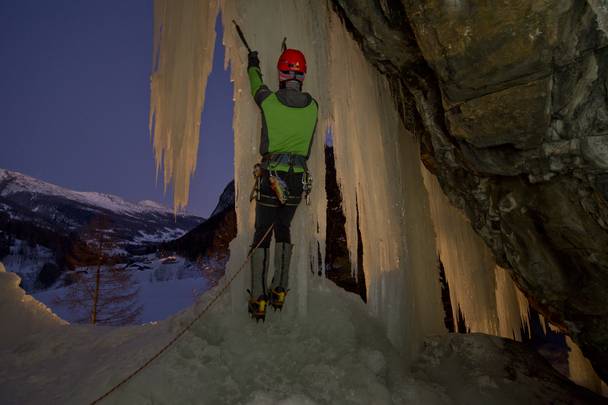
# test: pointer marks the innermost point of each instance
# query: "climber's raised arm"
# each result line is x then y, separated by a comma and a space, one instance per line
259, 90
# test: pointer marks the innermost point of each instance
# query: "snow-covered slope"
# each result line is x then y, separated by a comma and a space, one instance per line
335, 354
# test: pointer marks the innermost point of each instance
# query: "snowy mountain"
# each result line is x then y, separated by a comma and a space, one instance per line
44, 205
39, 222
226, 199
213, 235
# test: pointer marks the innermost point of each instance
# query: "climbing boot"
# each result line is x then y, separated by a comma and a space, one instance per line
277, 298
259, 270
280, 280
257, 308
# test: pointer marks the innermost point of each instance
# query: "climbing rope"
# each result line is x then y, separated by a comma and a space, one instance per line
184, 330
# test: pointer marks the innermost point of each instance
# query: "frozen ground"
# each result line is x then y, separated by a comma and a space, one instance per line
337, 354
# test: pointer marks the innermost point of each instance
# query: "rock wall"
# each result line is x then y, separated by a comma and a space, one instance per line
511, 105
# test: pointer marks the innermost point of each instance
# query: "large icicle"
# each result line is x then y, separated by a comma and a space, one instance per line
184, 38
485, 293
377, 165
304, 23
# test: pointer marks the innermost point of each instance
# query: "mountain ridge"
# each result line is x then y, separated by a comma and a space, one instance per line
12, 182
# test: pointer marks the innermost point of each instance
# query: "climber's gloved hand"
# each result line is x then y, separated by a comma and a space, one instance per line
253, 60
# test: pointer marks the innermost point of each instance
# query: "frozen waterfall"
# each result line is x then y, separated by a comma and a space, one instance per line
404, 228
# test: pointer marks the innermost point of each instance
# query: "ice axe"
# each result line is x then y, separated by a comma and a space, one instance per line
242, 36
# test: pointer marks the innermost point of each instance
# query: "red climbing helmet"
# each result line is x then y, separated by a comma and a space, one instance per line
292, 60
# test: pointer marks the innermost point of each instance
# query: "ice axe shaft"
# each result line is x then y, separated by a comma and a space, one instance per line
238, 29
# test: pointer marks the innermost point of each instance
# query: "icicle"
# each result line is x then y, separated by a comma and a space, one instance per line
304, 23
581, 371
184, 38
554, 328
524, 309
489, 300
543, 323
511, 306
377, 166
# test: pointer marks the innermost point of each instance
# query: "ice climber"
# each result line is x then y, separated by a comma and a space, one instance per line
289, 119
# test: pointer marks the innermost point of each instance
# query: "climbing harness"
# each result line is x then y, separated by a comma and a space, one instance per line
277, 183
187, 327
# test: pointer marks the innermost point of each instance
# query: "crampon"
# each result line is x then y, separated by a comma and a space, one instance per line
257, 308
277, 298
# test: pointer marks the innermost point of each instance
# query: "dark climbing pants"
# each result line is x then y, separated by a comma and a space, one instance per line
269, 211
279, 216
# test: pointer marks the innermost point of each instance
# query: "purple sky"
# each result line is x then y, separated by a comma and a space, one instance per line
74, 101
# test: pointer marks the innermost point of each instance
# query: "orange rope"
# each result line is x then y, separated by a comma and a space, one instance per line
181, 333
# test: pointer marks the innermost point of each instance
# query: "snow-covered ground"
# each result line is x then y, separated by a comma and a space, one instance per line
336, 354
163, 289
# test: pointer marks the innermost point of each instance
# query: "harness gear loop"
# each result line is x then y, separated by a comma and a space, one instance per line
257, 176
306, 186
279, 186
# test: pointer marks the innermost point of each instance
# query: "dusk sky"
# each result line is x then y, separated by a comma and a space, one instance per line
74, 101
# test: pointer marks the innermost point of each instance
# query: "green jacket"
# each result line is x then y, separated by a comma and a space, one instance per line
289, 120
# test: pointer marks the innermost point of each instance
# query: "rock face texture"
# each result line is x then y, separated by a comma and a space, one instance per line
510, 103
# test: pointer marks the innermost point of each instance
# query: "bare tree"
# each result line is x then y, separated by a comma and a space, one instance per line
101, 292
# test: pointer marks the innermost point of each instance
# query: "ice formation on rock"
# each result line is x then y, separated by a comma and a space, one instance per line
304, 23
378, 169
484, 292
